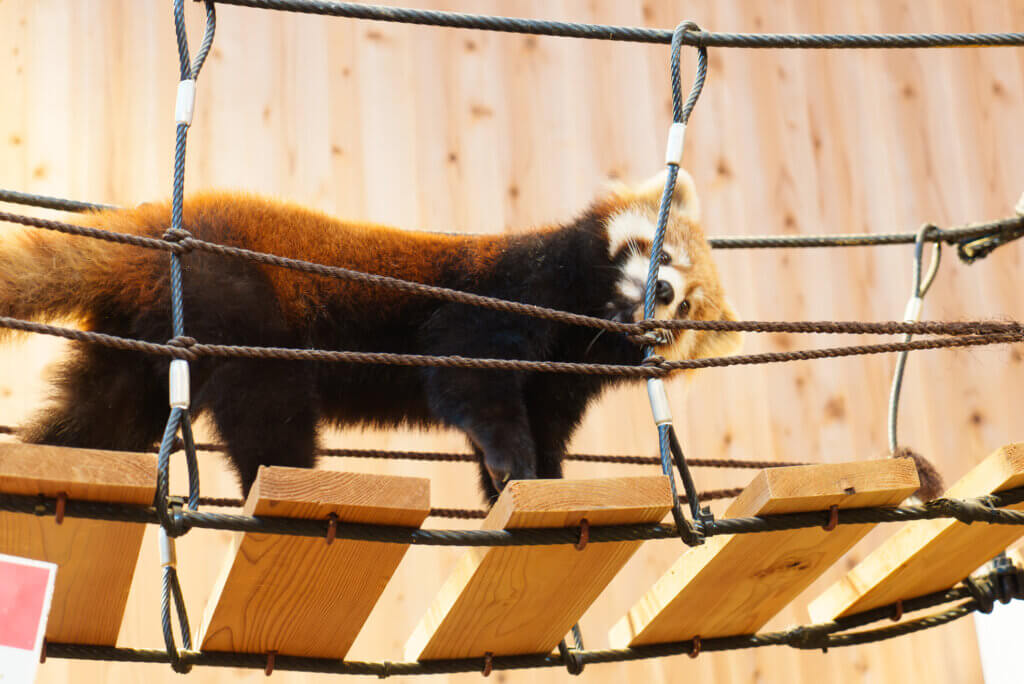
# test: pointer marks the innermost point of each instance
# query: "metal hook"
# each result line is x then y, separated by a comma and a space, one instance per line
912, 314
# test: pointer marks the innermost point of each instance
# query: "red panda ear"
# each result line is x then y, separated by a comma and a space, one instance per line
684, 199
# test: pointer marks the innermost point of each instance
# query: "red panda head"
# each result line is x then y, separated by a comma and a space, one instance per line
688, 282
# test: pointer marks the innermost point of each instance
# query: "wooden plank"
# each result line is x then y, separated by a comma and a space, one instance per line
929, 555
300, 596
734, 584
524, 599
95, 558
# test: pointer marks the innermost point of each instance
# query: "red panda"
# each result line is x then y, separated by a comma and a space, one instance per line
267, 412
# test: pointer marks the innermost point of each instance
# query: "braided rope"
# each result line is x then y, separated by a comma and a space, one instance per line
1003, 230
462, 457
659, 369
180, 241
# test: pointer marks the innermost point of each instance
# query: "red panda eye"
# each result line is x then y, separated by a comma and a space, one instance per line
684, 309
664, 259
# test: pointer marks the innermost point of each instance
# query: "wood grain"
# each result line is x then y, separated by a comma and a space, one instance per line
300, 596
488, 132
929, 555
525, 599
95, 558
734, 584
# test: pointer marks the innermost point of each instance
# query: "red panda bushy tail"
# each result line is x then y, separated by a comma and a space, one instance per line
46, 276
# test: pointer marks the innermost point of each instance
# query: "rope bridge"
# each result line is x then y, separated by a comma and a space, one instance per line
176, 515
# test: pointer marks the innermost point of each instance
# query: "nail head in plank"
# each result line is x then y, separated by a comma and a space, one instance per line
930, 555
96, 558
525, 599
734, 584
300, 596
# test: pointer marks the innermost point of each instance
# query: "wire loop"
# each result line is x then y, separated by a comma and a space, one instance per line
921, 285
572, 657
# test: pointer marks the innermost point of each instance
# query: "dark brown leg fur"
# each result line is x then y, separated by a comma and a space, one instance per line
104, 399
265, 411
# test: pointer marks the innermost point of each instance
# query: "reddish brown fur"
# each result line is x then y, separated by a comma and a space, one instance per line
289, 230
267, 412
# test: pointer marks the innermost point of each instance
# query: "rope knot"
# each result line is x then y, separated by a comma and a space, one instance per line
185, 344
657, 363
179, 237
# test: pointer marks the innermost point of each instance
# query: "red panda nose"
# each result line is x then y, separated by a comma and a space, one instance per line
664, 292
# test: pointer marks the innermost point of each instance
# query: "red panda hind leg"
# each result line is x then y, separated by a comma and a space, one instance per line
103, 399
266, 412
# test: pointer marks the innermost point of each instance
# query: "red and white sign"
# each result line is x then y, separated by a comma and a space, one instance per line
26, 589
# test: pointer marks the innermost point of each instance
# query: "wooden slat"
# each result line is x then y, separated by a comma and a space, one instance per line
95, 558
300, 596
735, 584
525, 599
930, 555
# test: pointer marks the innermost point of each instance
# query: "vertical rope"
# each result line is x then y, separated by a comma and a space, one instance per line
669, 447
168, 511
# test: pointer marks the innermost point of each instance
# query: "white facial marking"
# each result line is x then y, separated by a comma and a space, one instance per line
634, 281
627, 226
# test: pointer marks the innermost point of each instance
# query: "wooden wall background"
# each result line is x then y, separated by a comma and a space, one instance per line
468, 131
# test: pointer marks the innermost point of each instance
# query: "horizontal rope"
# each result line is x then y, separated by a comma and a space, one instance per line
182, 242
462, 457
629, 33
476, 513
823, 635
47, 202
1012, 228
662, 368
986, 509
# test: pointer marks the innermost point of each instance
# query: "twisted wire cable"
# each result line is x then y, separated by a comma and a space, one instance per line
987, 509
629, 33
825, 635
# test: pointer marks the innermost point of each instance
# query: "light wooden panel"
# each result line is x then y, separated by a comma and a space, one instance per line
95, 558
734, 584
930, 555
525, 599
300, 596
475, 131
